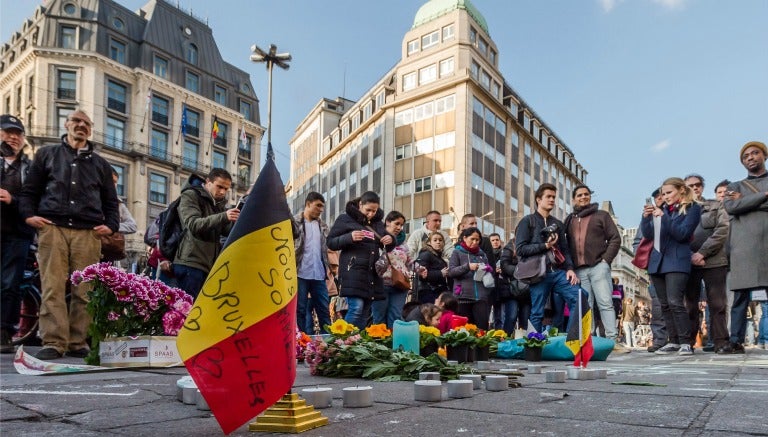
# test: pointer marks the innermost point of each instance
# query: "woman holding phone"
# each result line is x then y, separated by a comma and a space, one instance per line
669, 266
359, 235
466, 260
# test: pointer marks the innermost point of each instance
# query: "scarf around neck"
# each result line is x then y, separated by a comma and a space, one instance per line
473, 251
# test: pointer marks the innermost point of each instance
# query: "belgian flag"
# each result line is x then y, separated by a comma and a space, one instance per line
239, 340
579, 339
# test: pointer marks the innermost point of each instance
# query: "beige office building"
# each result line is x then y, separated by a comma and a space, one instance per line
442, 130
153, 81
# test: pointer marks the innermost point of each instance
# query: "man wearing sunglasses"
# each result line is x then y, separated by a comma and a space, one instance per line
709, 264
69, 197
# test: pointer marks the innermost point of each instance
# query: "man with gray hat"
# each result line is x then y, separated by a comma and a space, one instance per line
69, 197
746, 201
15, 235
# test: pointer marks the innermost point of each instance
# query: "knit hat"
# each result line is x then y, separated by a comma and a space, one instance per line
757, 144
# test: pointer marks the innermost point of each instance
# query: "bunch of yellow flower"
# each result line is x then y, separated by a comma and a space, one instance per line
428, 335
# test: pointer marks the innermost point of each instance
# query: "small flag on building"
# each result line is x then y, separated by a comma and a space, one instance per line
243, 137
184, 120
579, 339
215, 129
238, 341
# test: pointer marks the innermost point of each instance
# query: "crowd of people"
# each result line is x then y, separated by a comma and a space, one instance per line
365, 269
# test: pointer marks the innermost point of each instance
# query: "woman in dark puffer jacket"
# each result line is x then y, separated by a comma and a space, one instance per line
356, 235
433, 270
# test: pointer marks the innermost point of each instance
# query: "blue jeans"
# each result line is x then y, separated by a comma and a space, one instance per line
189, 279
596, 280
14, 253
763, 327
558, 312
358, 312
320, 302
554, 282
515, 312
391, 308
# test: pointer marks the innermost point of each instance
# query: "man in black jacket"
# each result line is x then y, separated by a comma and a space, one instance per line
560, 278
69, 197
15, 236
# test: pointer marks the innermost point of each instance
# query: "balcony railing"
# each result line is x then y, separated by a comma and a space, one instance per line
193, 131
116, 105
159, 152
160, 118
244, 153
220, 141
66, 93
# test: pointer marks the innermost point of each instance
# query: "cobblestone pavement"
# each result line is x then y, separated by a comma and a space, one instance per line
700, 395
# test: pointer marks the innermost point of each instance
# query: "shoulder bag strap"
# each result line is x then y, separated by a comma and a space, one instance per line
751, 187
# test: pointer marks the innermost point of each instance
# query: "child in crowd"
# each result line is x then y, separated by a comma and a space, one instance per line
426, 314
449, 304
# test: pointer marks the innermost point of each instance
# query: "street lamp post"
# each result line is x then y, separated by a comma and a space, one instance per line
270, 58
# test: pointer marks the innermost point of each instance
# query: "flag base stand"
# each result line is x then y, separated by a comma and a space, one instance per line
291, 414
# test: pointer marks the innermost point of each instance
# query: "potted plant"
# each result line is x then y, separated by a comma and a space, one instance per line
484, 341
125, 305
457, 342
533, 343
472, 350
428, 338
340, 329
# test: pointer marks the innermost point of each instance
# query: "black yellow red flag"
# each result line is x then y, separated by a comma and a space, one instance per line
238, 341
579, 339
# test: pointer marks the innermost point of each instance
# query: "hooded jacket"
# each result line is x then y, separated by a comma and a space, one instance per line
204, 221
592, 236
357, 273
72, 188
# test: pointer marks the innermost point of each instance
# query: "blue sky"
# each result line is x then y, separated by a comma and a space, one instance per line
640, 90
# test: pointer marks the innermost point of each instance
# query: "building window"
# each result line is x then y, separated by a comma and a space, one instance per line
474, 70
160, 67
160, 110
424, 184
117, 51
193, 82
367, 110
115, 133
243, 175
61, 118
70, 9
116, 96
482, 46
219, 159
485, 80
445, 104
413, 46
193, 123
67, 87
430, 39
120, 187
158, 188
446, 67
495, 89
68, 37
492, 57
427, 74
448, 32
380, 100
245, 109
244, 150
18, 99
191, 152
409, 81
220, 95
403, 188
159, 147
31, 89
221, 137
402, 152
472, 35
191, 54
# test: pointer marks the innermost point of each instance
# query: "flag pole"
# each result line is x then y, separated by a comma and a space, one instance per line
581, 328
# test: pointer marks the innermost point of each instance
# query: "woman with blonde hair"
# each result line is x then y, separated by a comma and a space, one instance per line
669, 266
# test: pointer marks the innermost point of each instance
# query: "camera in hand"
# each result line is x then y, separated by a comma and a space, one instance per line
548, 231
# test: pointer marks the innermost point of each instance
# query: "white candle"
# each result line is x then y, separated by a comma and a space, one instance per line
428, 391
601, 373
534, 368
318, 397
483, 365
476, 380
496, 382
574, 373
460, 388
589, 373
357, 397
202, 404
555, 375
182, 382
434, 376
189, 397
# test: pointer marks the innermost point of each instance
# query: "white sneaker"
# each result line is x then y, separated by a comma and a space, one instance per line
621, 349
685, 350
668, 349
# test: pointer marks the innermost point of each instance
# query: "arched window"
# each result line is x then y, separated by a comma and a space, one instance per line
192, 54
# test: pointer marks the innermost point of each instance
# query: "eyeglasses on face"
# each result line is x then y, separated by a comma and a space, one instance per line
695, 185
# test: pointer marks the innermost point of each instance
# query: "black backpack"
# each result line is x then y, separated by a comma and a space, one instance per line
170, 229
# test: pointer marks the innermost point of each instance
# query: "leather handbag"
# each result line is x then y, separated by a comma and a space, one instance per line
532, 269
643, 253
399, 279
113, 247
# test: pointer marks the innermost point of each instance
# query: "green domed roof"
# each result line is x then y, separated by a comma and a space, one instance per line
437, 8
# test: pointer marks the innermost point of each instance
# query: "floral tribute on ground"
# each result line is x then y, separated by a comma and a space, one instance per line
349, 353
126, 304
